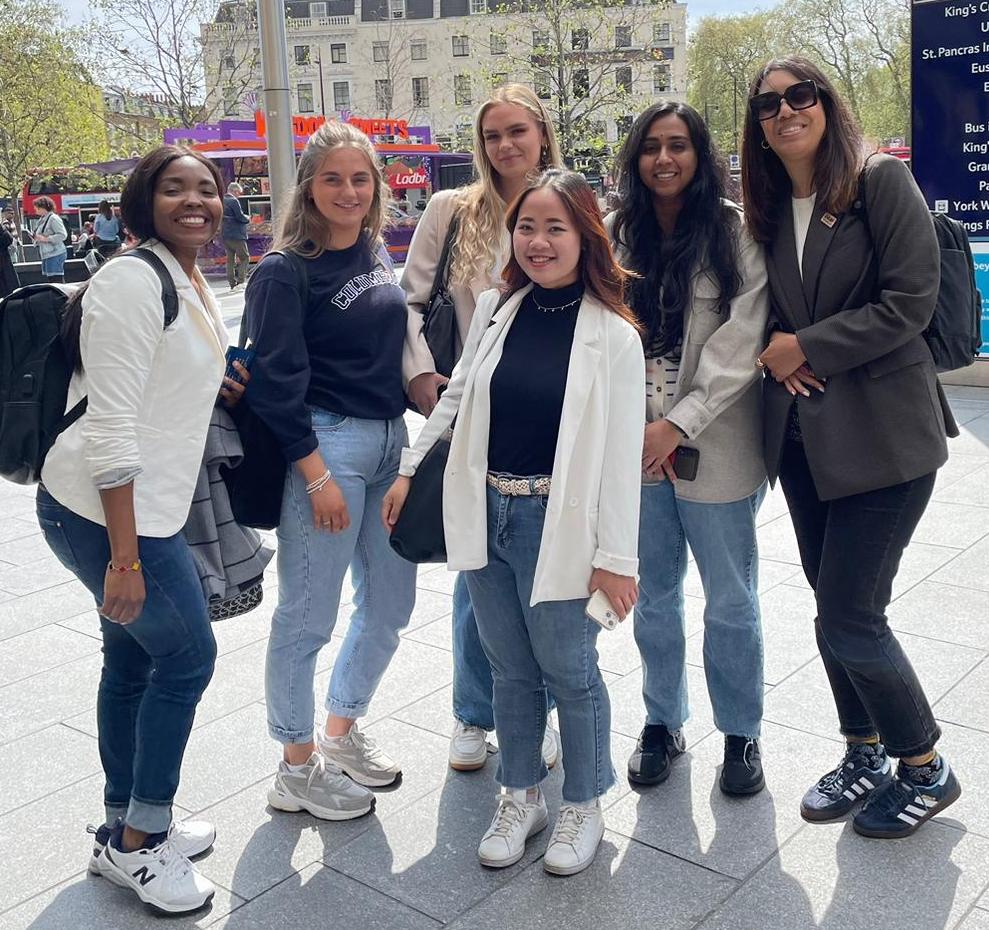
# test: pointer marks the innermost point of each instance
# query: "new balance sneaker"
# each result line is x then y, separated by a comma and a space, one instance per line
654, 753
359, 756
513, 823
158, 874
864, 769
741, 773
190, 837
551, 746
321, 789
900, 806
468, 747
575, 839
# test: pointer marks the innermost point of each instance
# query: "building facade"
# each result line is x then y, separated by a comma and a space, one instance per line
134, 121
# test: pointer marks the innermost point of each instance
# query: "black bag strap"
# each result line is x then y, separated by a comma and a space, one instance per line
443, 266
301, 270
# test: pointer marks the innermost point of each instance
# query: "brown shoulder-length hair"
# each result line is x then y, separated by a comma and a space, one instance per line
602, 275
766, 186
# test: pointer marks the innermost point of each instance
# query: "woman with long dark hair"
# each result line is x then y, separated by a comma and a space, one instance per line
540, 506
701, 295
855, 420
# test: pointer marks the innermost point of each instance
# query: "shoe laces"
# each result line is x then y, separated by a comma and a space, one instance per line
737, 750
509, 816
466, 729
892, 797
367, 746
855, 753
569, 826
173, 863
320, 769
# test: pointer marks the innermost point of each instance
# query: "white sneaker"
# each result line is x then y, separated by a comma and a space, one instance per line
161, 877
191, 838
321, 789
513, 823
360, 757
551, 748
468, 747
575, 840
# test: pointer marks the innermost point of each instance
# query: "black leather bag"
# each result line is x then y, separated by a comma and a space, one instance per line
418, 535
439, 324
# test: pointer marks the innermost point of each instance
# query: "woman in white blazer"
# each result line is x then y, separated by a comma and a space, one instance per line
513, 140
541, 504
115, 493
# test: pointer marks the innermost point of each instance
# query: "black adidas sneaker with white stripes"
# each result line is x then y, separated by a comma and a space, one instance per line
864, 769
904, 805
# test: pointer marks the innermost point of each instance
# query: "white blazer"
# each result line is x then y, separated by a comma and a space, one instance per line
151, 393
592, 515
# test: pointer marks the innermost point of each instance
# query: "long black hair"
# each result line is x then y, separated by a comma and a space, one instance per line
704, 237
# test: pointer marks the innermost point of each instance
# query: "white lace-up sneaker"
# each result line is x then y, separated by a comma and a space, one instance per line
575, 840
468, 747
551, 747
513, 823
321, 789
360, 757
190, 837
161, 877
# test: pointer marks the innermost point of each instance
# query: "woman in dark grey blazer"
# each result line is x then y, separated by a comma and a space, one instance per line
855, 420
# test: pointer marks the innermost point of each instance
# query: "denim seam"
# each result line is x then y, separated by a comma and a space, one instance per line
149, 577
306, 607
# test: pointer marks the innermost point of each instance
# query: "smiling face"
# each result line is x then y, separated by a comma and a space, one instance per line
343, 190
513, 140
794, 135
187, 205
668, 159
545, 240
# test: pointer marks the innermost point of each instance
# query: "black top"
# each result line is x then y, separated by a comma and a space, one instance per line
342, 352
528, 385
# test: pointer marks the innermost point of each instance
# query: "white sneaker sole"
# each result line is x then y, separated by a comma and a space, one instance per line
467, 763
537, 827
121, 878
283, 802
571, 869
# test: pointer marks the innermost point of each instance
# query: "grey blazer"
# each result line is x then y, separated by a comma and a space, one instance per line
858, 313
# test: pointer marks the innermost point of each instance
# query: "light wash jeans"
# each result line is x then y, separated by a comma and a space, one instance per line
722, 538
363, 456
472, 682
553, 642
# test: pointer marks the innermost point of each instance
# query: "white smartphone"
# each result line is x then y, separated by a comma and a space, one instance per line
599, 610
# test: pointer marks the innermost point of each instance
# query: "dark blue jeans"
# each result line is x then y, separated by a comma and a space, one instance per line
155, 669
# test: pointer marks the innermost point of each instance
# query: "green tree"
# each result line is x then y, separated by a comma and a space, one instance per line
50, 110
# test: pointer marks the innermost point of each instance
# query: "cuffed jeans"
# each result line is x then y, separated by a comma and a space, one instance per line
723, 540
850, 549
532, 649
363, 456
155, 669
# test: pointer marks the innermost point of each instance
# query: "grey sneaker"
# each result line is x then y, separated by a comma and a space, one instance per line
321, 789
358, 755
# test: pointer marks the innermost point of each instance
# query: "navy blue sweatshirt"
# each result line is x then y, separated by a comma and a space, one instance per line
342, 352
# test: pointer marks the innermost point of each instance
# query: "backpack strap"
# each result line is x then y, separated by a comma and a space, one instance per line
301, 270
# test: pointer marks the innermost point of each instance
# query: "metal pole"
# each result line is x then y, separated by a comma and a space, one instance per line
734, 107
322, 99
277, 104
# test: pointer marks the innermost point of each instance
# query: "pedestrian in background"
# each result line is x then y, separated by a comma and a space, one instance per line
235, 236
8, 274
513, 141
107, 229
855, 420
50, 235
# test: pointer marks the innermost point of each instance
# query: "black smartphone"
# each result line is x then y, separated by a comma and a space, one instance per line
237, 354
685, 462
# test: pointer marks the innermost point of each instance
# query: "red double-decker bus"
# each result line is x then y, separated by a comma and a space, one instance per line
76, 192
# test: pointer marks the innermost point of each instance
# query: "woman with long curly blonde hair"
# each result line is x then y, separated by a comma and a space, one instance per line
513, 142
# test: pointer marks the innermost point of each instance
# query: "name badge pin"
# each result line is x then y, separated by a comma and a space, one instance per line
829, 219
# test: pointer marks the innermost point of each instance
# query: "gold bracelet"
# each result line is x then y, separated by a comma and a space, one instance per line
123, 569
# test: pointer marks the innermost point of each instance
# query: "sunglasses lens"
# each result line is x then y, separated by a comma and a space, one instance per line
801, 96
765, 106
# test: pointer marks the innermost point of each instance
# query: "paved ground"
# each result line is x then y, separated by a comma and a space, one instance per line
679, 856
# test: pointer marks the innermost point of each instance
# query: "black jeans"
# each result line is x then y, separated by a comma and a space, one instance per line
850, 549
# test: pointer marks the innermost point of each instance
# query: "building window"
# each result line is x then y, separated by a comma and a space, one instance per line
228, 63
304, 92
624, 125
302, 54
580, 40
461, 46
623, 79
397, 9
660, 79
231, 105
382, 95
420, 93
418, 51
660, 32
540, 39
316, 10
461, 90
499, 44
338, 54
623, 36
341, 95
379, 51
541, 85
478, 6
581, 83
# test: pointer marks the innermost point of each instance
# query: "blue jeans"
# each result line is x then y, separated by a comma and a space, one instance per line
532, 649
472, 681
723, 540
54, 266
154, 670
363, 456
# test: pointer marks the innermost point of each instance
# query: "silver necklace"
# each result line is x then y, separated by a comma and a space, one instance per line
539, 306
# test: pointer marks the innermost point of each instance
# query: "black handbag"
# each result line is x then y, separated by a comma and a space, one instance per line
439, 324
418, 535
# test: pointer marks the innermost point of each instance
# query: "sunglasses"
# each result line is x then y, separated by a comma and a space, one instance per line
799, 96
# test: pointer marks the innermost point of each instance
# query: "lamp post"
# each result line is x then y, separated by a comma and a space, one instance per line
277, 103
319, 62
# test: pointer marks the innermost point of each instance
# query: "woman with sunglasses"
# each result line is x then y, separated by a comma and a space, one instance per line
855, 420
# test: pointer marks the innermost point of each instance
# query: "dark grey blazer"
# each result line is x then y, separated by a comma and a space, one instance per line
858, 314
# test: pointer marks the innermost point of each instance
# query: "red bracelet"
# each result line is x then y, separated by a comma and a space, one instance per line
123, 569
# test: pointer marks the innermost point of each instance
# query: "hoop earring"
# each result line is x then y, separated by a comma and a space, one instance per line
764, 144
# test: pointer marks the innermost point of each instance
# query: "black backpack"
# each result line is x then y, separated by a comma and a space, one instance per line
39, 345
954, 334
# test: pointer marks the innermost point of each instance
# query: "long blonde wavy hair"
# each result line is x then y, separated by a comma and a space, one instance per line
302, 228
480, 209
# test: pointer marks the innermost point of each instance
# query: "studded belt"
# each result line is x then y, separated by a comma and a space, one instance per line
512, 486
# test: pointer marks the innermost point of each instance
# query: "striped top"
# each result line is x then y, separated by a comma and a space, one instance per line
661, 384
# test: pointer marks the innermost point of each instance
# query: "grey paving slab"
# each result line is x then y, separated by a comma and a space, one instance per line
967, 570
955, 525
967, 751
84, 722
86, 623
238, 680
40, 650
957, 467
773, 506
968, 702
434, 712
438, 634
689, 817
628, 885
977, 919
829, 878
321, 897
968, 491
30, 611
973, 438
25, 550
16, 528
440, 580
36, 576
778, 543
942, 611
64, 756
